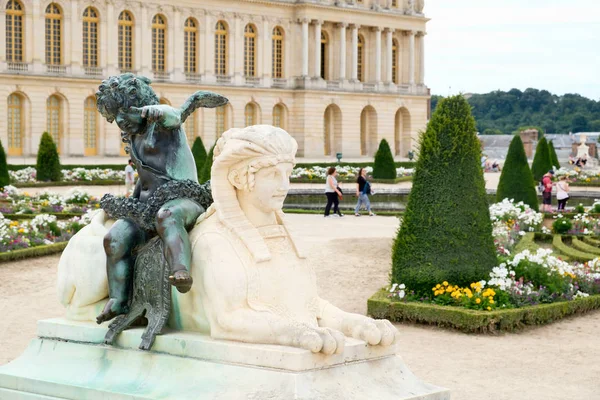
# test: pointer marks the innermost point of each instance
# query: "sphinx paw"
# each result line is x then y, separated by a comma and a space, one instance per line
374, 332
321, 340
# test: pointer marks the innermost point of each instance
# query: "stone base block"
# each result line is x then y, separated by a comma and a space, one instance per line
67, 362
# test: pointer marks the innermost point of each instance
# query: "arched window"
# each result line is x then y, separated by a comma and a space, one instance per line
250, 114
249, 50
125, 41
368, 131
361, 57
53, 35
14, 31
221, 120
220, 49
15, 125
395, 61
277, 59
90, 127
324, 59
159, 32
190, 44
279, 116
54, 119
90, 37
190, 129
394, 3
332, 130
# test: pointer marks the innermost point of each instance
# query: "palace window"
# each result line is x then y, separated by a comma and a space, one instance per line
221, 120
190, 129
220, 49
250, 114
90, 37
125, 41
249, 50
277, 60
278, 116
90, 121
53, 35
395, 62
361, 57
190, 44
14, 31
159, 31
15, 125
324, 59
54, 119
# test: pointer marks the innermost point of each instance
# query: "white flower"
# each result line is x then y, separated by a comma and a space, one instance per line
394, 286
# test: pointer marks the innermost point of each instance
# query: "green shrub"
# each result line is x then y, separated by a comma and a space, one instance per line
516, 180
199, 153
541, 160
205, 174
562, 225
48, 164
446, 234
571, 253
383, 166
580, 209
553, 156
4, 177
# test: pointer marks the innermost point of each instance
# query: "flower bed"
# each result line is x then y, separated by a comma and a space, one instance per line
579, 177
15, 202
346, 173
28, 175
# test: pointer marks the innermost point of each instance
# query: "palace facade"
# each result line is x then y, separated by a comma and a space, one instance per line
339, 75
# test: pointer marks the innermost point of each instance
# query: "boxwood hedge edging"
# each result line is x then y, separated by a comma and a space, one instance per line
37, 251
59, 216
105, 182
472, 321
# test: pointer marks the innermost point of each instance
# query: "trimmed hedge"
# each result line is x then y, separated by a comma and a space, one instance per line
527, 242
15, 167
516, 180
553, 156
592, 241
353, 180
205, 173
199, 152
48, 163
446, 234
37, 251
320, 212
60, 216
398, 164
541, 160
4, 177
472, 321
67, 183
585, 247
383, 166
573, 254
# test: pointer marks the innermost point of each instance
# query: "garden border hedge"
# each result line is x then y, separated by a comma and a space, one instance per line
573, 254
106, 182
32, 252
353, 180
60, 216
399, 164
473, 321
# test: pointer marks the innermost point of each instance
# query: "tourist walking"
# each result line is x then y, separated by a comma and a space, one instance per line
562, 192
547, 192
363, 190
129, 179
333, 193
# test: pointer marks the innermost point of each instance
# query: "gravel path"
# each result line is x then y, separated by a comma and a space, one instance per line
352, 257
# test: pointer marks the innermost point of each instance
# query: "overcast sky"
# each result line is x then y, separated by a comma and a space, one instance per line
476, 46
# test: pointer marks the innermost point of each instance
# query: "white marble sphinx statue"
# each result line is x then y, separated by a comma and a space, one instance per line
252, 326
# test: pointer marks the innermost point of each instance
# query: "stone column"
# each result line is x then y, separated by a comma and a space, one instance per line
39, 53
318, 24
354, 76
377, 31
421, 36
389, 59
176, 50
411, 58
110, 35
236, 50
342, 27
3, 37
145, 40
304, 46
72, 39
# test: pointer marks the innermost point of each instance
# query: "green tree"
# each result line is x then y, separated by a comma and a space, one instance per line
48, 162
4, 177
205, 174
384, 166
553, 157
446, 233
541, 161
579, 123
516, 180
199, 152
492, 131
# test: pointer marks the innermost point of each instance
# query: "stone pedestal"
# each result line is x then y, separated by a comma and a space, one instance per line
69, 361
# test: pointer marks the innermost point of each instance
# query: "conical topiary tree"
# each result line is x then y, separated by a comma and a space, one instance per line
4, 177
516, 180
199, 153
541, 161
48, 162
553, 156
384, 166
446, 233
205, 174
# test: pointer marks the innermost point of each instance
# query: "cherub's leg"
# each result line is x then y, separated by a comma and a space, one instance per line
119, 242
172, 222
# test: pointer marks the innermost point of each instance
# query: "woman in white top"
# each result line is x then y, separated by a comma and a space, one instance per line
562, 193
332, 192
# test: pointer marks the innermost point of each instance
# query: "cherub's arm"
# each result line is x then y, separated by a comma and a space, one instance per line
202, 99
163, 114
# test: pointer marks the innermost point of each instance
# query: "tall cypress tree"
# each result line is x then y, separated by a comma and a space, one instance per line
516, 180
553, 156
205, 174
48, 162
541, 161
199, 152
4, 177
384, 166
446, 233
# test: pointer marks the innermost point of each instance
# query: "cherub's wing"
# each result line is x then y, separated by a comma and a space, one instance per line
201, 99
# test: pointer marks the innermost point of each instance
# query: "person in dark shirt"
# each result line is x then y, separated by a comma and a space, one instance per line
363, 190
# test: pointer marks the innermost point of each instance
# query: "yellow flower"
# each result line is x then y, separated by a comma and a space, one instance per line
477, 300
437, 286
491, 301
449, 289
445, 283
489, 308
21, 230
